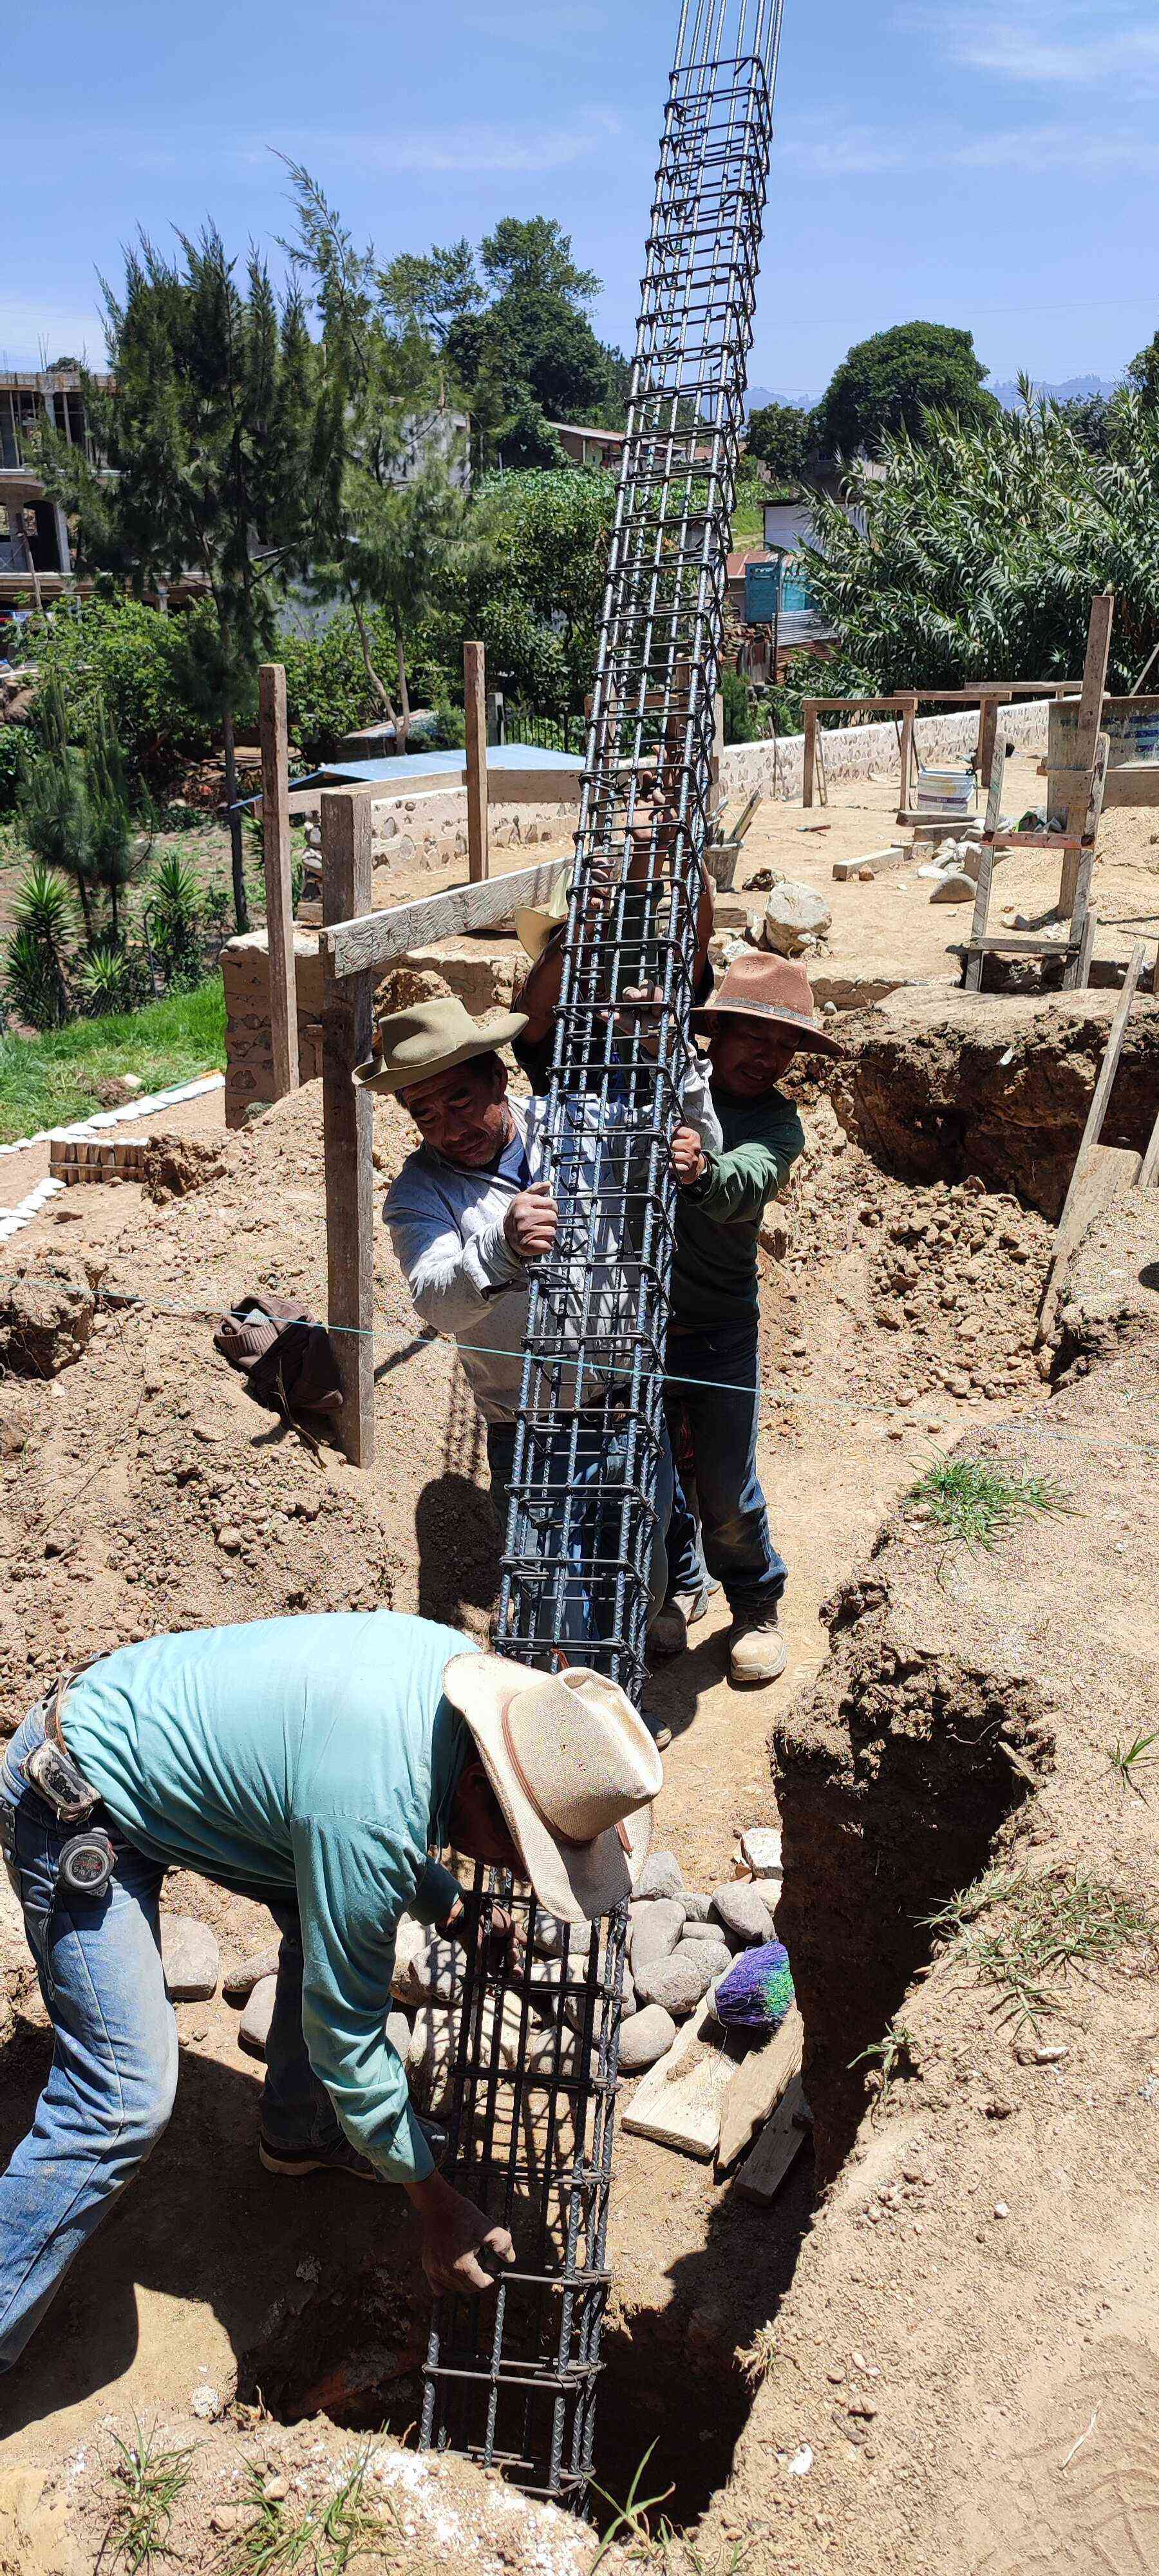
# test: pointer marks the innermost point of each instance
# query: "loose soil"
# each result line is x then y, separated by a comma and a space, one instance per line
143, 1488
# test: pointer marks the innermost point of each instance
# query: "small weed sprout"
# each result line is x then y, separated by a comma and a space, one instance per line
890, 2056
979, 1504
325, 2540
152, 2480
1126, 1759
756, 2358
1021, 1933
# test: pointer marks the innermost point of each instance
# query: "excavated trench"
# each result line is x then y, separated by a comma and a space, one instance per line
895, 1775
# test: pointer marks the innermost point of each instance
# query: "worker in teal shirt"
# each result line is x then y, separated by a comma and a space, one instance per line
321, 1764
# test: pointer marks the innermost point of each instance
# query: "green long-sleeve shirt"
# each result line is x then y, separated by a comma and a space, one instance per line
316, 1758
714, 1271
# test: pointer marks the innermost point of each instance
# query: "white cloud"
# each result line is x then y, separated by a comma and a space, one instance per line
459, 150
1087, 43
827, 150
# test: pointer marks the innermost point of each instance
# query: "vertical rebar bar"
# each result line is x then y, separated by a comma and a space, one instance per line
512, 2379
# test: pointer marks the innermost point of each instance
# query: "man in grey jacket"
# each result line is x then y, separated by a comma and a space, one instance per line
471, 1210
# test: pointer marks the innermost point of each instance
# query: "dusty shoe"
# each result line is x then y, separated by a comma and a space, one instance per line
293, 2163
668, 1634
757, 1651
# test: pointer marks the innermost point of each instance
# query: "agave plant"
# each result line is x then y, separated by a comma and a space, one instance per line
174, 912
105, 980
33, 989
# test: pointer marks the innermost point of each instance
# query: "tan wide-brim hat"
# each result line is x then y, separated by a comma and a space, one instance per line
535, 922
575, 1772
763, 987
413, 1046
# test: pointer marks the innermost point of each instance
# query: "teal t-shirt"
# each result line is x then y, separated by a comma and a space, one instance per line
316, 1757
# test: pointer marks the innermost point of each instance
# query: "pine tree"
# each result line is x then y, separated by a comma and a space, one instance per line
210, 432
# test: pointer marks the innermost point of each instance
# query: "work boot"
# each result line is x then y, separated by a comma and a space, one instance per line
668, 1634
756, 1648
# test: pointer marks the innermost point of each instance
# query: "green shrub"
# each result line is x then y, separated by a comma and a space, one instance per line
14, 745
327, 691
741, 723
140, 668
107, 980
175, 921
34, 958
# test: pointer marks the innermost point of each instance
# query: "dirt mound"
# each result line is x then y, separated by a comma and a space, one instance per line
943, 1086
151, 1492
973, 2307
172, 1166
47, 1310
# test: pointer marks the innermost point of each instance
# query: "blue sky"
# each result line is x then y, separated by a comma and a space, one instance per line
991, 165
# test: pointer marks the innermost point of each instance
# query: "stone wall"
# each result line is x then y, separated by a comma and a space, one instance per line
249, 1046
431, 824
852, 751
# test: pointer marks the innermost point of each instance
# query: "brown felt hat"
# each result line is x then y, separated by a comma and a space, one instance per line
413, 1046
762, 987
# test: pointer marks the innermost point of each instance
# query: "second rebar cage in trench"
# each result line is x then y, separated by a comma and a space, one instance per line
511, 2377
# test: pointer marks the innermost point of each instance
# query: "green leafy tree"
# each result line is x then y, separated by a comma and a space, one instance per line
211, 435
780, 437
902, 379
388, 510
978, 554
514, 330
113, 651
1143, 372
53, 810
530, 582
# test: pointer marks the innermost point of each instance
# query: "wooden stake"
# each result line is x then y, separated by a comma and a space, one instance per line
279, 890
810, 752
909, 713
1086, 736
347, 1125
475, 705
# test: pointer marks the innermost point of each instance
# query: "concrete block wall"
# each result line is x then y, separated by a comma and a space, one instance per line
852, 751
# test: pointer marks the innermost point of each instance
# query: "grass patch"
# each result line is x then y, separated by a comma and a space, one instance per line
152, 2481
748, 524
980, 1505
324, 2540
1023, 1933
48, 1080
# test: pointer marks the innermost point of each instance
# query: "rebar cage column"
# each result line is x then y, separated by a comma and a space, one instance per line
511, 2378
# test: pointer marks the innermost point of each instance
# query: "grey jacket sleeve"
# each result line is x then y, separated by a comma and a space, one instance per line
451, 1278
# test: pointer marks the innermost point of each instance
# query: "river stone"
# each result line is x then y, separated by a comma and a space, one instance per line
190, 1958
661, 1876
433, 1976
696, 1906
761, 1846
793, 914
549, 1932
954, 887
253, 2029
742, 1911
242, 1975
705, 1932
646, 2037
654, 1930
398, 2033
680, 1982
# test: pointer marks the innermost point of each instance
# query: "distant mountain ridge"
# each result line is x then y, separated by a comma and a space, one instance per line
1072, 389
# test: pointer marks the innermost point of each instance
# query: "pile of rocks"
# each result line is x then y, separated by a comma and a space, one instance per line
681, 1940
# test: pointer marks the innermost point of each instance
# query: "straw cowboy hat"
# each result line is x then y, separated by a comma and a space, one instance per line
757, 987
415, 1045
534, 923
575, 1772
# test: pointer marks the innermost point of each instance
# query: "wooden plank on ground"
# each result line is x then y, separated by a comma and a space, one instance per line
757, 2086
679, 2101
1089, 1147
1149, 1167
374, 938
347, 1127
279, 889
475, 710
777, 2148
844, 870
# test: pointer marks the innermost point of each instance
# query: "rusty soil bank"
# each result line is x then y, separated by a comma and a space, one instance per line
891, 2364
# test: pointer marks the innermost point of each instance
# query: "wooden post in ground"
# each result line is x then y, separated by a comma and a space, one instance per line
909, 708
1086, 737
988, 731
810, 752
279, 891
475, 706
347, 1125
714, 794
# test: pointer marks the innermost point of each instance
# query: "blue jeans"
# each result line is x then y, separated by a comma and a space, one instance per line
584, 1612
714, 1439
113, 2076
